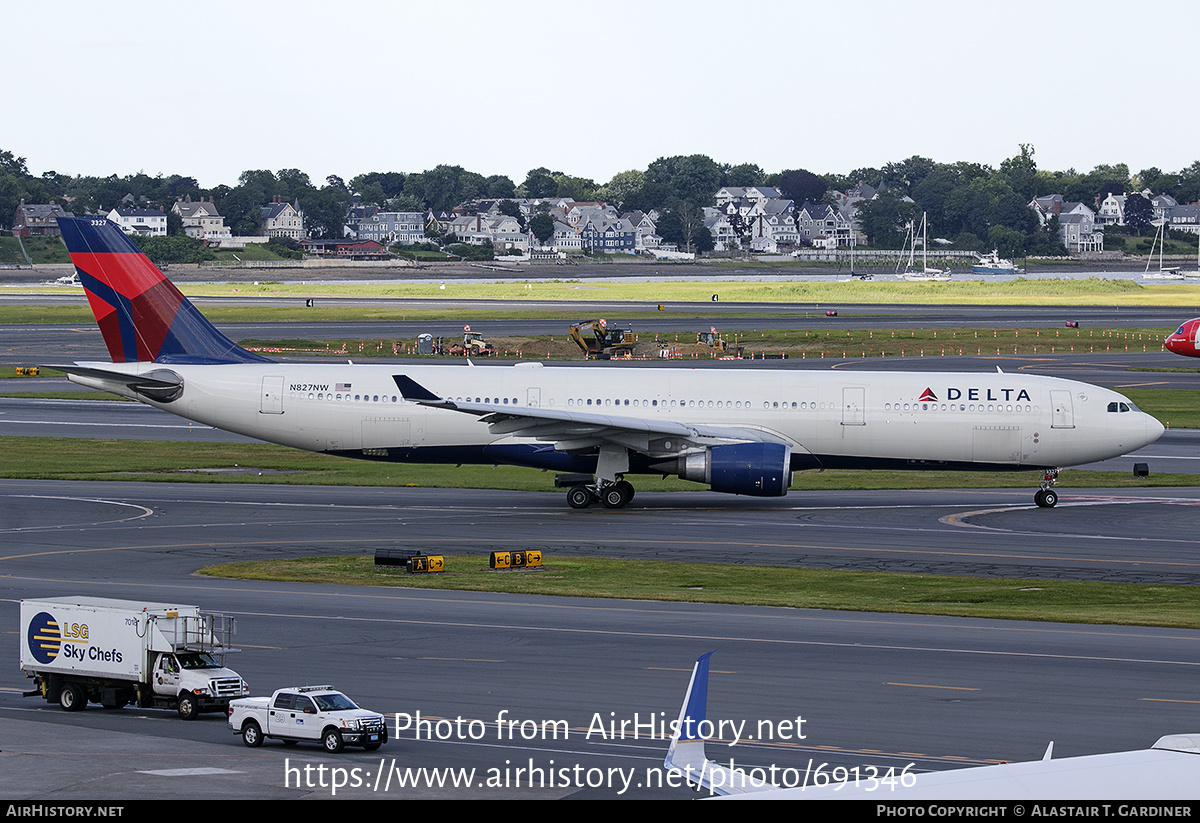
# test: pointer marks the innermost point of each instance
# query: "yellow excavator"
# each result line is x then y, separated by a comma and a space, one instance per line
598, 341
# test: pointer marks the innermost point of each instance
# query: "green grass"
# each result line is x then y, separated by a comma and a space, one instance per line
1003, 598
41, 249
205, 462
1090, 291
1180, 408
1082, 292
252, 251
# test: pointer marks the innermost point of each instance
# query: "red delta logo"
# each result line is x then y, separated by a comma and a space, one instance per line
927, 395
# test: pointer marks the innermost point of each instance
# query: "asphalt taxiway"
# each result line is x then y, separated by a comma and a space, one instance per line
875, 689
883, 690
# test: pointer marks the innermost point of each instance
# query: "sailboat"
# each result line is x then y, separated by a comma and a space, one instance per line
1160, 240
926, 274
1191, 275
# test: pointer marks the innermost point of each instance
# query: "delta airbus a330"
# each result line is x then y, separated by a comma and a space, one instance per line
740, 431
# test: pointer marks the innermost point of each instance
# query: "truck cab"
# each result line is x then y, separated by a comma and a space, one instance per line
196, 682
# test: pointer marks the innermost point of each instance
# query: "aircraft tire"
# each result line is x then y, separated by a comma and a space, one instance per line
628, 487
1046, 498
579, 497
616, 496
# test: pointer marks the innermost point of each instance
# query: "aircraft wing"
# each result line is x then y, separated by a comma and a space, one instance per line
579, 430
1168, 770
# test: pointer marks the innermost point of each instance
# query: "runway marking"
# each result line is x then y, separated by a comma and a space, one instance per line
1135, 385
145, 512
474, 542
457, 659
656, 738
1165, 700
108, 425
931, 686
193, 772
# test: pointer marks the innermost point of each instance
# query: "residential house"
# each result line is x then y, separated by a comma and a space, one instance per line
1076, 222
1185, 218
646, 228
388, 227
1078, 233
201, 219
815, 221
1112, 210
281, 219
349, 249
606, 233
142, 222
718, 225
748, 194
37, 220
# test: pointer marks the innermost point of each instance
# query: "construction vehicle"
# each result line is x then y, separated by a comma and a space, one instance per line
600, 342
472, 344
716, 342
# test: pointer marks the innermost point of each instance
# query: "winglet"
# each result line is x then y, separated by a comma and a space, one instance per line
686, 755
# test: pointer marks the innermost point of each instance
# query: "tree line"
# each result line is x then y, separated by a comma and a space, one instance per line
973, 205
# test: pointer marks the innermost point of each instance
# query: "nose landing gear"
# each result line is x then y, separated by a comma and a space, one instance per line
1046, 497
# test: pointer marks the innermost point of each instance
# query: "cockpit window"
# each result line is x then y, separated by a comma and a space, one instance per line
1179, 330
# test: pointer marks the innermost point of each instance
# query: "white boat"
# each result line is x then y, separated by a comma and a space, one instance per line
1164, 272
1193, 275
925, 274
993, 264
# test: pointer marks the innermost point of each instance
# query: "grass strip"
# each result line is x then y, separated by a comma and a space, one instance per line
1050, 291
1000, 598
44, 458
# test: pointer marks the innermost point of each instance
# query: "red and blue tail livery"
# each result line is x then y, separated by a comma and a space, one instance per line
142, 316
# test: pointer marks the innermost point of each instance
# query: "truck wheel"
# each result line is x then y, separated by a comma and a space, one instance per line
187, 707
252, 734
332, 741
72, 698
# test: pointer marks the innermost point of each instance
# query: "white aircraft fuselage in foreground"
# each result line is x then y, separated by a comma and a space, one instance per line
741, 431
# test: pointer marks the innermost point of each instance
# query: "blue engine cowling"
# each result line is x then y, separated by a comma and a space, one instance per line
756, 469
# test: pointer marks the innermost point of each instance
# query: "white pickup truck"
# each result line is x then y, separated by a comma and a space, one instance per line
315, 713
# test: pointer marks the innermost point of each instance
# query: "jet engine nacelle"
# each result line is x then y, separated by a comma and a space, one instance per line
757, 469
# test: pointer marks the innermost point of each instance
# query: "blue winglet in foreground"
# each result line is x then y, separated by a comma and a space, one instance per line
1168, 770
686, 756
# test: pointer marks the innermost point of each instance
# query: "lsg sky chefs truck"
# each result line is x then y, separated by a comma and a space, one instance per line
116, 652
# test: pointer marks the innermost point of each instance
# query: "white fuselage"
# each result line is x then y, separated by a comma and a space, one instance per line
829, 418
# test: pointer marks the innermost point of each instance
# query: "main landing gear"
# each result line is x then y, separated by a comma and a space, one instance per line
613, 496
1046, 497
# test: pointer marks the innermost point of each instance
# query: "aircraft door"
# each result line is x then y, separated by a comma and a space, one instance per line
853, 402
272, 395
1064, 413
534, 398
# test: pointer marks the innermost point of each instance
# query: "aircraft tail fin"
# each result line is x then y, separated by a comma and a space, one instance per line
686, 756
141, 314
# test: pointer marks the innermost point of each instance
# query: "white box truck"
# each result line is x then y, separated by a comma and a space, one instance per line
116, 652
